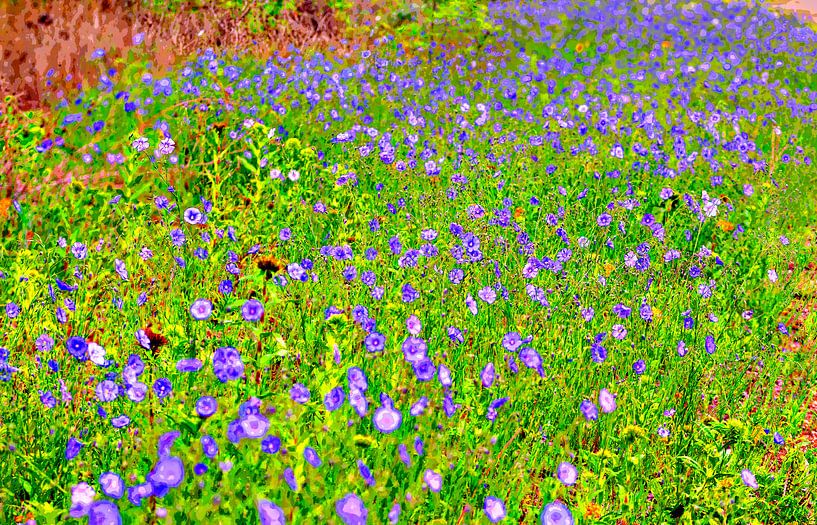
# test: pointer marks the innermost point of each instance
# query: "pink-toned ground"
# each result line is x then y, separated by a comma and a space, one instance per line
805, 7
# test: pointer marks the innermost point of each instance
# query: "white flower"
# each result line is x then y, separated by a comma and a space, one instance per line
97, 354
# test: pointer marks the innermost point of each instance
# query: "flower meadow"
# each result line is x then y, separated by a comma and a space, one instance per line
545, 276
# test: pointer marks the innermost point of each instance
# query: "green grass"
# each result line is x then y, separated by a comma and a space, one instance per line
723, 403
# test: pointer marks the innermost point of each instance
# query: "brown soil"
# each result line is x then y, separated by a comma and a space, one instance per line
36, 36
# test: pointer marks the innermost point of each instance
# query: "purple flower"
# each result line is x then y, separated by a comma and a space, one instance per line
107, 391
167, 473
531, 359
607, 401
82, 497
271, 444
424, 370
193, 216
120, 421
269, 513
414, 349
104, 513
512, 341
589, 410
386, 419
299, 393
748, 478
72, 448
487, 375
77, 347
166, 146
375, 342
487, 294
12, 310
618, 331
162, 388
495, 509
334, 399
227, 364
567, 473
112, 485
79, 251
289, 477
189, 365
44, 343
433, 480
639, 367
778, 439
139, 492
254, 426
311, 457
556, 513
206, 406
598, 353
709, 344
166, 442
252, 310
209, 446
351, 510
201, 309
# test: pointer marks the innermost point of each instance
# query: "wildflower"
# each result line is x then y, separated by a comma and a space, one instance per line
82, 497
72, 448
607, 401
193, 216
167, 473
162, 388
556, 513
206, 406
189, 365
140, 144
351, 510
567, 473
375, 342
227, 364
589, 410
201, 309
271, 444
252, 310
112, 485
77, 347
166, 146
311, 457
299, 393
748, 478
433, 480
386, 419
269, 513
494, 509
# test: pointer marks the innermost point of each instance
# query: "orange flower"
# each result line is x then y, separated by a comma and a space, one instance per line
579, 47
518, 212
608, 269
593, 511
666, 44
725, 225
4, 207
